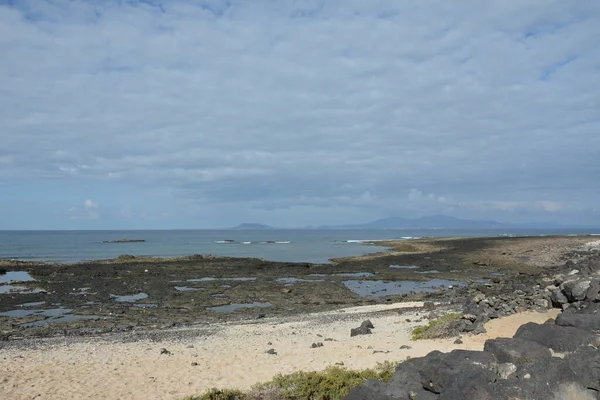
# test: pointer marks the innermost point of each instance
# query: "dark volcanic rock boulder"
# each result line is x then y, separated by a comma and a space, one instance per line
474, 384
371, 389
588, 322
593, 292
538, 381
363, 329
516, 351
558, 338
585, 362
576, 290
438, 371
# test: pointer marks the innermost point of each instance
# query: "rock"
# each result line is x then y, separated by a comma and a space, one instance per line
260, 316
478, 298
316, 345
370, 390
165, 351
475, 384
588, 322
194, 364
363, 329
558, 338
593, 292
405, 347
429, 305
341, 363
585, 362
576, 290
271, 351
458, 341
367, 324
359, 331
539, 380
505, 370
439, 370
516, 351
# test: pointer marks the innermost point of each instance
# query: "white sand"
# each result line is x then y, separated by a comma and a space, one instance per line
234, 357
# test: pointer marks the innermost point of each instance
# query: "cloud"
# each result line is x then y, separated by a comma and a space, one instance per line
269, 106
89, 211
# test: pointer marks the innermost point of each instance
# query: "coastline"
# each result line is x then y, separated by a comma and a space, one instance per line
180, 291
125, 357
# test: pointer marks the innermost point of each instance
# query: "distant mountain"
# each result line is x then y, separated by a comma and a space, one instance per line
252, 226
430, 222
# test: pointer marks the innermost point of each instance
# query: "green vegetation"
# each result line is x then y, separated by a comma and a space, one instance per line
331, 384
443, 327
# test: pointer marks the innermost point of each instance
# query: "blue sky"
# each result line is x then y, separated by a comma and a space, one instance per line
199, 114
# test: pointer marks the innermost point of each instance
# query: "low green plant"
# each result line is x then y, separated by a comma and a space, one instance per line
443, 327
216, 394
331, 384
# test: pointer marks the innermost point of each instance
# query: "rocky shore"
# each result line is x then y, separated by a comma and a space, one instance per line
556, 360
137, 294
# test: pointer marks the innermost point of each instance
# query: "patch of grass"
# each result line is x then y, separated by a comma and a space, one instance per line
443, 327
331, 384
216, 394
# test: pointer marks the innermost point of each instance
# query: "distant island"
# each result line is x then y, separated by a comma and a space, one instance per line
427, 222
124, 241
252, 226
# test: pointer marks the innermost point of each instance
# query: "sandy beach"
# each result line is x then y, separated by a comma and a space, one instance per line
230, 355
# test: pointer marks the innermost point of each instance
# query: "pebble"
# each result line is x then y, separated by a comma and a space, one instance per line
194, 364
271, 351
315, 345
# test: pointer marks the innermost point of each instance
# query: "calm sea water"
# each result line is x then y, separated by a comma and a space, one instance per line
305, 245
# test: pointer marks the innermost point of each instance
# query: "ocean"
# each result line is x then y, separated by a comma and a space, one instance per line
315, 246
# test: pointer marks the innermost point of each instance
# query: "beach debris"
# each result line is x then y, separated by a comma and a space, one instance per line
271, 351
316, 345
286, 290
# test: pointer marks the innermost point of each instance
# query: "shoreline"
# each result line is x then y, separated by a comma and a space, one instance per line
147, 293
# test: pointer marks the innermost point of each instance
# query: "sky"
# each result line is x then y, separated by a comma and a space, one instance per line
205, 113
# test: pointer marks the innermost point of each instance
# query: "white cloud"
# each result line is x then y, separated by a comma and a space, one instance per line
89, 211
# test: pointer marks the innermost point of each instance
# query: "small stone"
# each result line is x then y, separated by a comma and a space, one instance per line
458, 341
339, 363
260, 316
271, 351
165, 351
329, 339
269, 344
194, 364
405, 347
505, 370
527, 376
316, 345
191, 346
